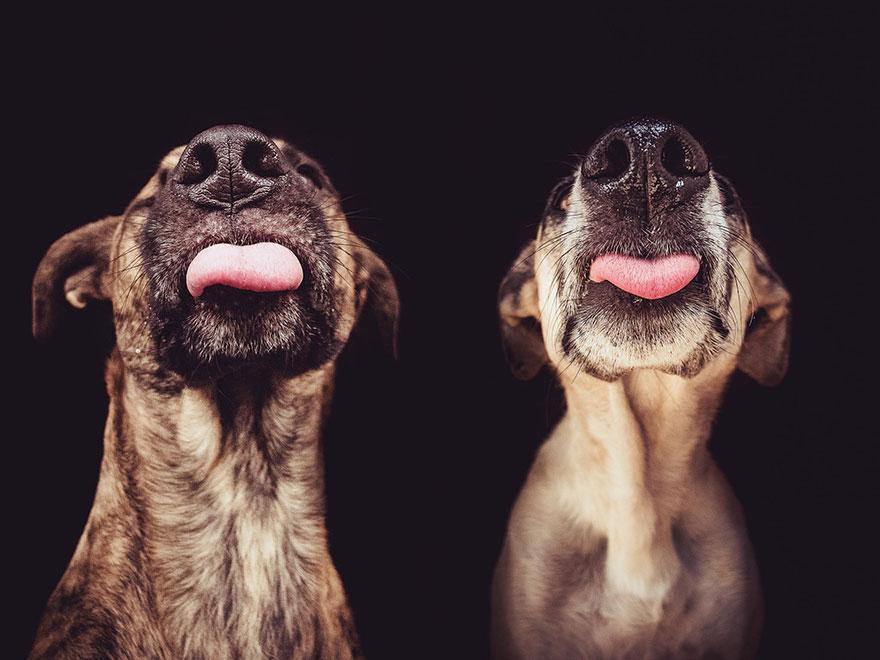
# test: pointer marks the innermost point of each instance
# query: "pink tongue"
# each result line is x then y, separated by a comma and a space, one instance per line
646, 278
260, 267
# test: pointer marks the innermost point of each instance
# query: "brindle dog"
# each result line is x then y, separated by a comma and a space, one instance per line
207, 536
626, 541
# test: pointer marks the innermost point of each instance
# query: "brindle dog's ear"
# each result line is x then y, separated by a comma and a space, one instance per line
520, 324
764, 353
75, 267
376, 290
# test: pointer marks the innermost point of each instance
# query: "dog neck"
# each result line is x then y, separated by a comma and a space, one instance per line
226, 483
638, 447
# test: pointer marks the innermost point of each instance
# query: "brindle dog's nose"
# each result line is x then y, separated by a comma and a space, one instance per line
646, 157
230, 167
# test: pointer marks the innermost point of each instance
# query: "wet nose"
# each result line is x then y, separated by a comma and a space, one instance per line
652, 151
230, 167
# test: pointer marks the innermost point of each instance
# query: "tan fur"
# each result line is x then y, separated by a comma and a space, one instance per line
625, 541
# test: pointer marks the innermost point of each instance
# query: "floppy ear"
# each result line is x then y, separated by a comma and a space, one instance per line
764, 353
75, 267
520, 324
376, 290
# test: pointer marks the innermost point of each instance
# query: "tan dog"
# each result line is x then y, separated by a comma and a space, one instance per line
235, 281
644, 290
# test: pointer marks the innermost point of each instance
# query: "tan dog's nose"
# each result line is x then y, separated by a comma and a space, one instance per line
646, 146
645, 164
229, 167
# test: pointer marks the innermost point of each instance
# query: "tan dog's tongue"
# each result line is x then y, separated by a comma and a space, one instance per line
646, 278
259, 267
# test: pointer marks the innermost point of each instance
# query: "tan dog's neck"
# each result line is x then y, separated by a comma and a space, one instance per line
638, 447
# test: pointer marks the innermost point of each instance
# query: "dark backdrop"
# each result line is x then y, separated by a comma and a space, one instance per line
445, 133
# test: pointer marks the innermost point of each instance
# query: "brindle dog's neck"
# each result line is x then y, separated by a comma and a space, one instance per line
637, 448
224, 487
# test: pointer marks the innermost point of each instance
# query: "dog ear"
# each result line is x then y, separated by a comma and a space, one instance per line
765, 349
75, 266
376, 290
520, 317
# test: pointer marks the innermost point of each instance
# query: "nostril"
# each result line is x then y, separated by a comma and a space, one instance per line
200, 163
610, 162
260, 159
682, 159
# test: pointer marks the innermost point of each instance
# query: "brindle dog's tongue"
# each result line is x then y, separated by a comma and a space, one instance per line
259, 267
646, 278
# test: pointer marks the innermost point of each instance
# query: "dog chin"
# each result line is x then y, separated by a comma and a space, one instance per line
680, 344
214, 340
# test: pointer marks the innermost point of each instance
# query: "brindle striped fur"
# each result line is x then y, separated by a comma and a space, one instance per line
207, 537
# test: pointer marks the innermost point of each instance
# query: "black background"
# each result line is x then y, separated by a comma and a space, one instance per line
445, 134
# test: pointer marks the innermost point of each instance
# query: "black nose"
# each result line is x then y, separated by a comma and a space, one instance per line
654, 152
229, 167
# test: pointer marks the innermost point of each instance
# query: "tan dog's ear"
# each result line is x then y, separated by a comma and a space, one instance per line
764, 353
376, 290
75, 266
520, 322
